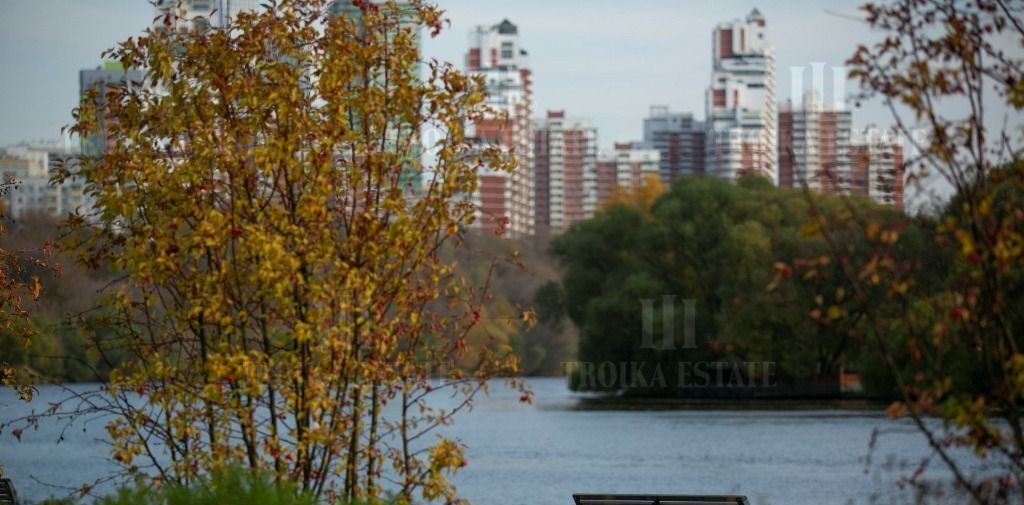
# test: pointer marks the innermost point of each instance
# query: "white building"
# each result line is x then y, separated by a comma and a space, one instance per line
625, 167
814, 145
198, 14
30, 168
876, 166
495, 53
818, 149
740, 101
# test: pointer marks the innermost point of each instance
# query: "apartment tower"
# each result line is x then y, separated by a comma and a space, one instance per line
818, 149
625, 167
503, 197
565, 161
740, 102
679, 140
198, 14
32, 166
103, 80
814, 146
876, 166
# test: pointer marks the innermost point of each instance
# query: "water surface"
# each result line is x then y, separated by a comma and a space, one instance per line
542, 453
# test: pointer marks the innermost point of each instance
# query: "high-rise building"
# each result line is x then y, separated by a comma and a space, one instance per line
31, 166
814, 143
199, 14
406, 12
27, 187
565, 161
876, 166
818, 149
495, 53
110, 75
740, 101
401, 136
678, 138
606, 176
626, 167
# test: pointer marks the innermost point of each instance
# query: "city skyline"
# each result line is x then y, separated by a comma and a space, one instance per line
310, 252
582, 61
579, 59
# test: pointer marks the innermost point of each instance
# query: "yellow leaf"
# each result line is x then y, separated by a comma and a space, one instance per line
834, 312
872, 230
897, 410
810, 229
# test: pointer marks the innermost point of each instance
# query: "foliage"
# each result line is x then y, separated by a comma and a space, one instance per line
16, 287
640, 197
283, 302
519, 316
230, 486
60, 322
951, 349
728, 249
233, 485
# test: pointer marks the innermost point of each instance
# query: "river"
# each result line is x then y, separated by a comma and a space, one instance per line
542, 453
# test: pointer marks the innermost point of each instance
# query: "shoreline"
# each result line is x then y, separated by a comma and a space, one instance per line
608, 402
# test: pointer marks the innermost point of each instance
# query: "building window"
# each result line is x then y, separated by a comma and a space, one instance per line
506, 50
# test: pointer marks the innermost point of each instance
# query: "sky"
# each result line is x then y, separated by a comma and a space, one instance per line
610, 60
607, 61
604, 60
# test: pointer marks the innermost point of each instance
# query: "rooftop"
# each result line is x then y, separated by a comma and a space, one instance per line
507, 28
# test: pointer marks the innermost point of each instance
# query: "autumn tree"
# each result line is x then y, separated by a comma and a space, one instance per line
17, 288
282, 302
951, 73
641, 196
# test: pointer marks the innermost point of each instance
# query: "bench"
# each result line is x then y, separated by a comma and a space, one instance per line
653, 499
7, 494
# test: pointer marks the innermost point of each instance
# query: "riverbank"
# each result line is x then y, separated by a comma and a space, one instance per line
612, 402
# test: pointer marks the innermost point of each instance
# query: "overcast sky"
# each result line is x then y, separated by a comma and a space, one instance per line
606, 60
609, 60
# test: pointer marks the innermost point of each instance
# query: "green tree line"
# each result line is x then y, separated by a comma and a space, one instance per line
760, 280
